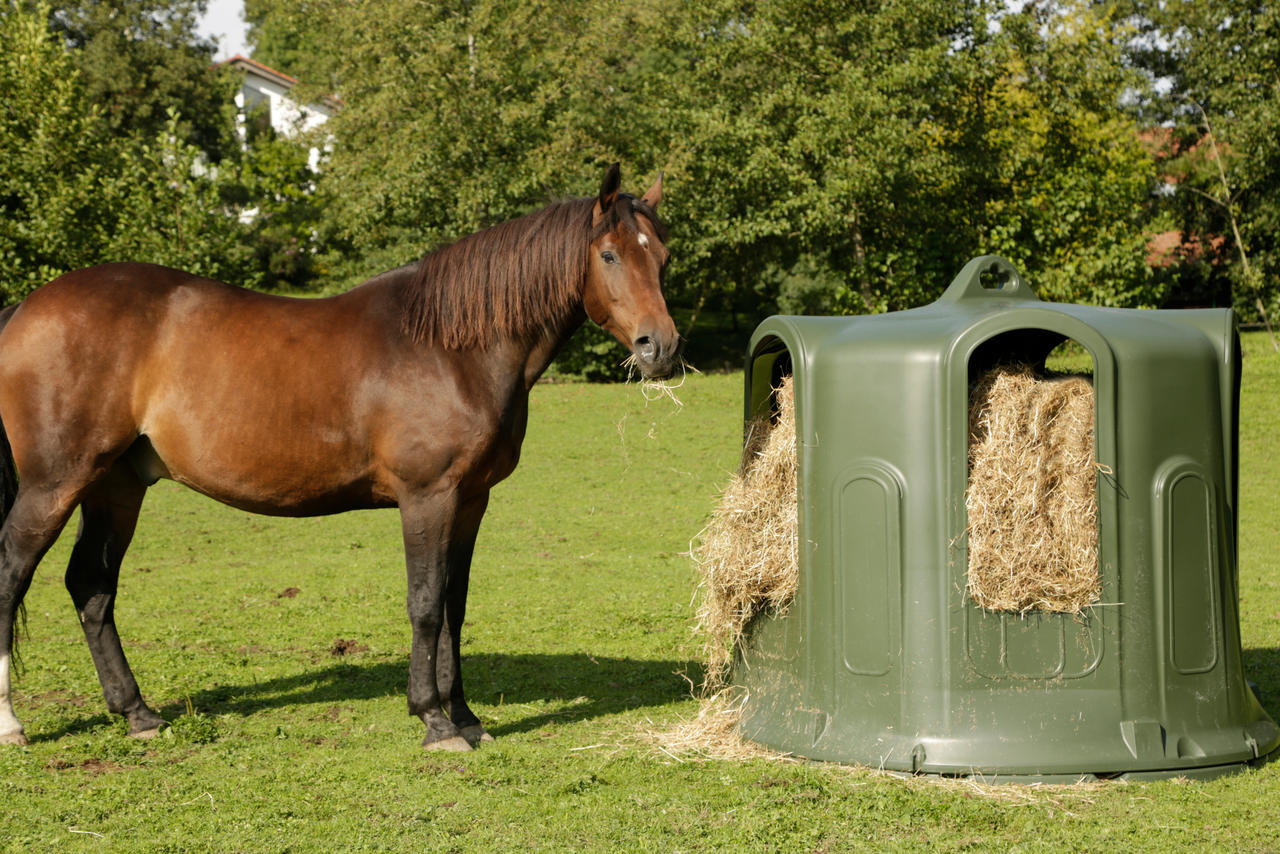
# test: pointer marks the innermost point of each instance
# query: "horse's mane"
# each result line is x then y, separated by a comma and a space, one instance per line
511, 279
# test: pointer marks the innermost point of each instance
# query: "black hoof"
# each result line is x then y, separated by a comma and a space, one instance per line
145, 724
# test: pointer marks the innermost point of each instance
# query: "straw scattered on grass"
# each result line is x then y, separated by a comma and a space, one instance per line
712, 733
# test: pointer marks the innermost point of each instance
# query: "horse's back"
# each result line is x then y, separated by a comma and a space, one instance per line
135, 313
119, 305
81, 335
122, 287
101, 331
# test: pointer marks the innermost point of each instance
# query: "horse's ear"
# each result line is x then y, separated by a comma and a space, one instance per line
653, 195
608, 191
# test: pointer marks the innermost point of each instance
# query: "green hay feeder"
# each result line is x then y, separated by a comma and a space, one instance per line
883, 660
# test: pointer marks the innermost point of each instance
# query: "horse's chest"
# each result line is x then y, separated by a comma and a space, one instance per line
495, 446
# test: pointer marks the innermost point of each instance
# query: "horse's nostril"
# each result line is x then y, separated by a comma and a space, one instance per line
646, 348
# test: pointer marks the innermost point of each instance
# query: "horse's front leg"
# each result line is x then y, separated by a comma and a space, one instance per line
449, 655
428, 523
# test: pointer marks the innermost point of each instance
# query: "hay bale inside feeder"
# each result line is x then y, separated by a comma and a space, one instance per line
1032, 495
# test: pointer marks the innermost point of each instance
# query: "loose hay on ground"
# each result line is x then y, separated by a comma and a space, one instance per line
1032, 497
747, 556
713, 733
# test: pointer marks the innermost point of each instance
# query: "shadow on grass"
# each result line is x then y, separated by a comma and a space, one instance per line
599, 685
1262, 668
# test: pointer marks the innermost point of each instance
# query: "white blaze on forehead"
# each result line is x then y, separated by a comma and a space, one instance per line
644, 240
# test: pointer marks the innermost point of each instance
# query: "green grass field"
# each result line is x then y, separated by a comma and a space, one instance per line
279, 650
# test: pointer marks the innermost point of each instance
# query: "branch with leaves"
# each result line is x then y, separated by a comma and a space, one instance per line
1227, 203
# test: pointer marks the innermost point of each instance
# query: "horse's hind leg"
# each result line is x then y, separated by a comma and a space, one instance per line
33, 523
108, 514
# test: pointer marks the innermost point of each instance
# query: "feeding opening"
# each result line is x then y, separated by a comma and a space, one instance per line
747, 557
1031, 497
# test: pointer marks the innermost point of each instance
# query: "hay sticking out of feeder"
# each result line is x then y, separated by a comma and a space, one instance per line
1032, 496
747, 556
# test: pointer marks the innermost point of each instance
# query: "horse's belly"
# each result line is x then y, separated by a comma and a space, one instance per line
280, 475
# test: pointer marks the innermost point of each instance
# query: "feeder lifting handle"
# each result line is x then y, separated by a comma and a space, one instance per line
988, 277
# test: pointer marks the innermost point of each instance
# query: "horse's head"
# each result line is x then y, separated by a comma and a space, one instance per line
623, 292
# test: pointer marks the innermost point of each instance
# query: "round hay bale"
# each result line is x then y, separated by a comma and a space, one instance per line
1032, 495
747, 557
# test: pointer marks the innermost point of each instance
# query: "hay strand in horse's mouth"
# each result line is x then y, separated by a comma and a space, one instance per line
655, 389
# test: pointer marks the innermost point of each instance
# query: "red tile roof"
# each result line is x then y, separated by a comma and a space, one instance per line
244, 62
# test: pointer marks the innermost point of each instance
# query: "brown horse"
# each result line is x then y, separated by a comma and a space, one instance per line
409, 391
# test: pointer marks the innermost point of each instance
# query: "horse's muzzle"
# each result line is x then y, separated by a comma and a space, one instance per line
657, 354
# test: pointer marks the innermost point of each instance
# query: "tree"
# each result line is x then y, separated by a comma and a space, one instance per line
51, 158
169, 207
277, 183
1068, 196
450, 112
75, 192
298, 37
141, 58
819, 155
1221, 63
812, 134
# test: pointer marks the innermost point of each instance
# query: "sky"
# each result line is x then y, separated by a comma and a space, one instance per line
224, 20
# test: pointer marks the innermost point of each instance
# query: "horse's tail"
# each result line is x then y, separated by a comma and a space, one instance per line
8, 473
9, 494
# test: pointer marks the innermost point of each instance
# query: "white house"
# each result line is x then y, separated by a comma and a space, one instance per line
264, 85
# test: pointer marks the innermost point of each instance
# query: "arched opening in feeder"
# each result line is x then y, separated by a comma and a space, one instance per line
747, 556
1031, 497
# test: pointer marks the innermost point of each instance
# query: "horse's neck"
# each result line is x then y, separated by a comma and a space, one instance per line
546, 346
523, 358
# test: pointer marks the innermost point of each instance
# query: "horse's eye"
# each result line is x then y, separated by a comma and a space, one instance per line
609, 257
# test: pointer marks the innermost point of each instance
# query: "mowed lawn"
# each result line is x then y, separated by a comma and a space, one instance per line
278, 649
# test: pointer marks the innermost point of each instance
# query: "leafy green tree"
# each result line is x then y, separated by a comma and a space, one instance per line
298, 37
141, 58
811, 145
75, 192
169, 207
820, 156
1221, 62
894, 141
283, 233
448, 112
1068, 194
51, 158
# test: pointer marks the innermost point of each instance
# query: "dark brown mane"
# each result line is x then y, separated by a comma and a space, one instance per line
510, 279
